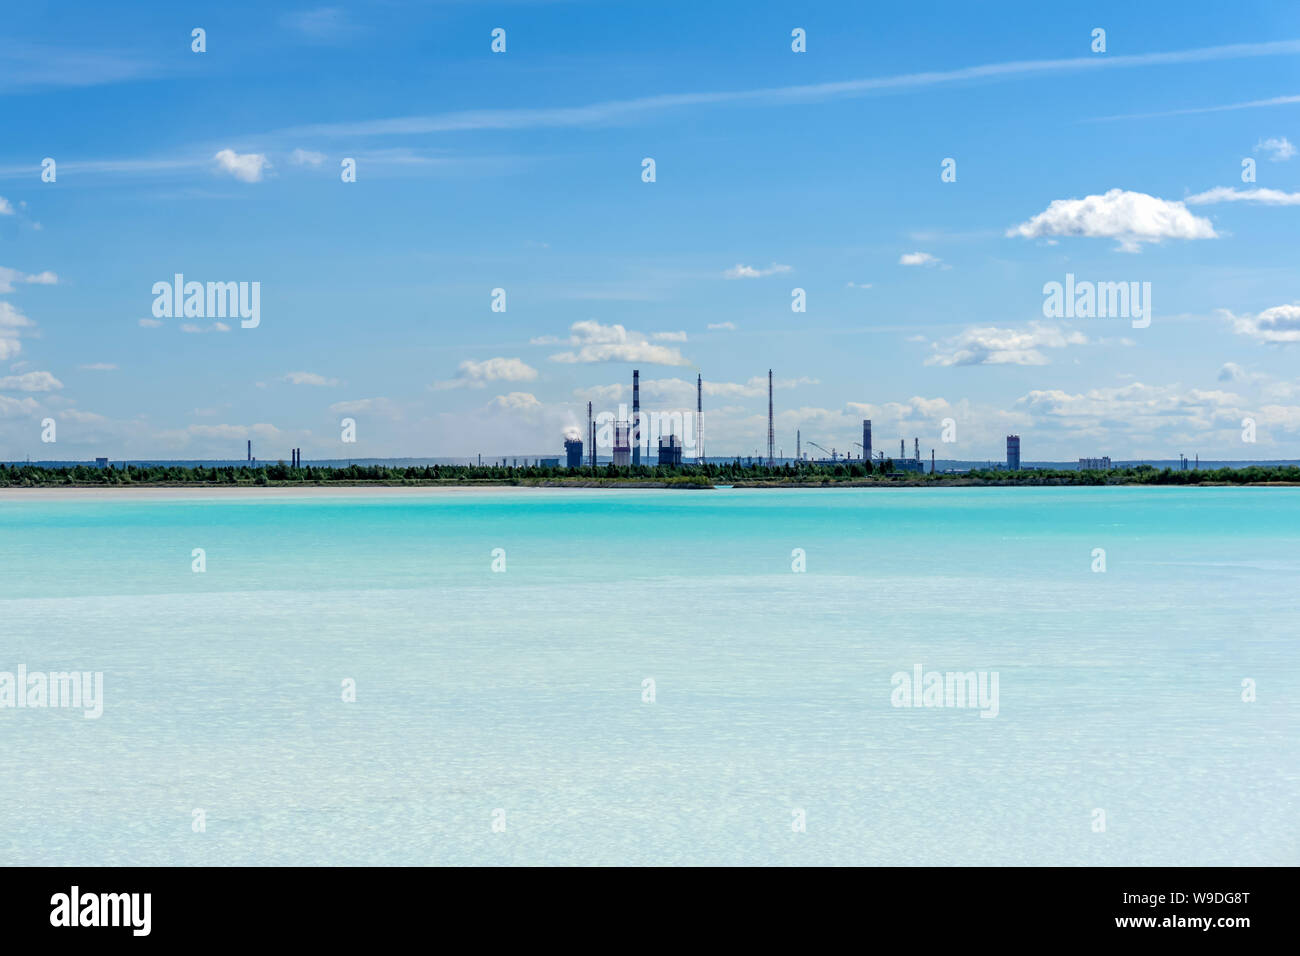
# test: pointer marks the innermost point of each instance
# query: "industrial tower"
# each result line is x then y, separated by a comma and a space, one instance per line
771, 435
699, 418
636, 416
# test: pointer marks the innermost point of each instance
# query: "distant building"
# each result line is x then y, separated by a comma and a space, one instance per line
908, 466
1094, 464
548, 463
573, 452
1013, 453
670, 451
101, 462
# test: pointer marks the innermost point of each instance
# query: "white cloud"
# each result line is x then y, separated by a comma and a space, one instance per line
9, 348
477, 374
994, 346
10, 276
1279, 146
6, 207
613, 343
1131, 218
310, 378
11, 318
516, 402
722, 326
1277, 325
30, 382
246, 167
860, 285
1265, 197
669, 336
739, 271
151, 323
306, 157
918, 259
100, 367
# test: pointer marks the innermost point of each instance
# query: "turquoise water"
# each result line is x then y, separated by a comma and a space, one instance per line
523, 690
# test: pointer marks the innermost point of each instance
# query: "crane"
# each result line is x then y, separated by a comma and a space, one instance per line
823, 450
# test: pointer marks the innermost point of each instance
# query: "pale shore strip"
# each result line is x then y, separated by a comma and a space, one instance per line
142, 491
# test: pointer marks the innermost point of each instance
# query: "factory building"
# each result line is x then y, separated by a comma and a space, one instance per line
1013, 453
1094, 464
573, 452
866, 439
670, 451
622, 444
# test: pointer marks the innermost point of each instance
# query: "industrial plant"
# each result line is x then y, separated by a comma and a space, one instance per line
634, 435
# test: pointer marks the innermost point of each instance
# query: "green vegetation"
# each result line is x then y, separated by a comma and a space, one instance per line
687, 476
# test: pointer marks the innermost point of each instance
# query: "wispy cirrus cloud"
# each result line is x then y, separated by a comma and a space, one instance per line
739, 271
1262, 197
612, 110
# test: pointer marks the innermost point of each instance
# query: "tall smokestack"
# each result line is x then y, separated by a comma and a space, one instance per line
591, 435
636, 417
771, 435
699, 418
902, 448
250, 451
798, 445
866, 439
918, 448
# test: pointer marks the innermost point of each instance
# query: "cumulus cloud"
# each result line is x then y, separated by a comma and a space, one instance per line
594, 342
515, 402
739, 271
1279, 146
6, 207
918, 259
30, 382
309, 378
9, 277
477, 374
246, 167
11, 318
1130, 218
994, 346
1277, 325
1264, 197
1157, 415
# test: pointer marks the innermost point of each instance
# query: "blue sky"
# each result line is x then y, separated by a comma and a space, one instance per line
775, 170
